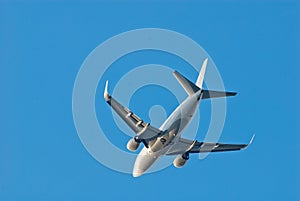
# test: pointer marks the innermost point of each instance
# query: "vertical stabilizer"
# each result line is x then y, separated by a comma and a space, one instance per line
202, 74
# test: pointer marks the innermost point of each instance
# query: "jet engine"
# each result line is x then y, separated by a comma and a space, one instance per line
180, 160
133, 144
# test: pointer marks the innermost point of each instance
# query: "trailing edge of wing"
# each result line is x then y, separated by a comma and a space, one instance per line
143, 130
192, 146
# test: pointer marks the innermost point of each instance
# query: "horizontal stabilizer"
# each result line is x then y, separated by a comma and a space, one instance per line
216, 94
189, 87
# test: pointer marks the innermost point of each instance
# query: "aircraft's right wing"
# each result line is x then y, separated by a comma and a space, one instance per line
190, 146
145, 132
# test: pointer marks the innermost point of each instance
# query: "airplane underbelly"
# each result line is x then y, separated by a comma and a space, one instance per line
165, 140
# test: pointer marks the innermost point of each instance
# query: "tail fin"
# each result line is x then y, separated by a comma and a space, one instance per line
192, 88
201, 74
189, 86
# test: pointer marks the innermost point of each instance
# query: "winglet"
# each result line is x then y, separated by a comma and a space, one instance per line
106, 95
252, 138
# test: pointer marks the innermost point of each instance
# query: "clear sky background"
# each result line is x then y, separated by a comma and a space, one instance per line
255, 46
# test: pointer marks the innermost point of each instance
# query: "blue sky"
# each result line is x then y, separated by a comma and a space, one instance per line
255, 47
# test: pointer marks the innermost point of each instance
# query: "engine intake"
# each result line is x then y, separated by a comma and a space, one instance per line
180, 160
133, 144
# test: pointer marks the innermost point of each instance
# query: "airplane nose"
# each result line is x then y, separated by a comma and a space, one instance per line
143, 162
137, 169
137, 173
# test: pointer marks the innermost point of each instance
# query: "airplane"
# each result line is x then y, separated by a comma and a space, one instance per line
167, 140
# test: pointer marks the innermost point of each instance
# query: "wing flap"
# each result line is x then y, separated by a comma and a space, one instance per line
143, 130
217, 147
190, 146
182, 146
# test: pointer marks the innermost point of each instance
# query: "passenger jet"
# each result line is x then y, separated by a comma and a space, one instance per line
167, 140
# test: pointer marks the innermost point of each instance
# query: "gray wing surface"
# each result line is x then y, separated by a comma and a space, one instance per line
143, 130
190, 146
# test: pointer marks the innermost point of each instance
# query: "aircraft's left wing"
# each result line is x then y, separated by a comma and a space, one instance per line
190, 146
144, 131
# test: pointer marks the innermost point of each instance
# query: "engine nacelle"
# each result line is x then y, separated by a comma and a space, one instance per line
132, 145
180, 160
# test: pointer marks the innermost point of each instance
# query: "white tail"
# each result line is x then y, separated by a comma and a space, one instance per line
202, 74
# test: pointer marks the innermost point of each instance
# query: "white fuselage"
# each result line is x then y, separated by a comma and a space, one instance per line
173, 126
